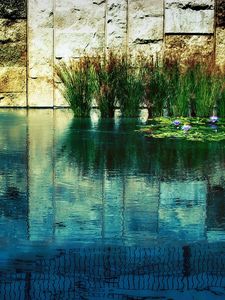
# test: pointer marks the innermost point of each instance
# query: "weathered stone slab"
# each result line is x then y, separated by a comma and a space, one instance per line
40, 56
79, 26
40, 13
189, 47
13, 9
220, 48
116, 23
143, 8
220, 13
13, 99
68, 45
12, 42
40, 92
12, 31
12, 79
40, 47
13, 54
76, 14
145, 22
144, 31
150, 50
189, 16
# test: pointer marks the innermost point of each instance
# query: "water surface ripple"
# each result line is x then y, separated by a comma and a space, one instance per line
94, 210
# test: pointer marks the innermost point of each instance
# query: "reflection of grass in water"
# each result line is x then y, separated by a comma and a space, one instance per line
120, 151
201, 129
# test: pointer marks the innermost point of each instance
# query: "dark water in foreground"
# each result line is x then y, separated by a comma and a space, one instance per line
95, 211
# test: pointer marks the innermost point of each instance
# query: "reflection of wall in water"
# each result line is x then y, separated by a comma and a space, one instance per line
183, 209
90, 206
40, 135
65, 203
215, 212
13, 175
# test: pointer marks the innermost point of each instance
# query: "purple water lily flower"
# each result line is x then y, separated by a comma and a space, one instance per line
176, 122
186, 127
214, 119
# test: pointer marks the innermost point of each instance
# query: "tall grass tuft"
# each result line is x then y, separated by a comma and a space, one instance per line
160, 82
221, 100
107, 73
78, 80
164, 87
130, 87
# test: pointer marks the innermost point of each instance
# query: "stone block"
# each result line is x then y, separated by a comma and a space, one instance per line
189, 16
220, 13
150, 50
40, 56
76, 15
145, 21
79, 26
68, 45
40, 13
13, 99
12, 42
13, 54
13, 9
116, 24
146, 30
40, 92
220, 48
12, 31
189, 47
143, 8
12, 79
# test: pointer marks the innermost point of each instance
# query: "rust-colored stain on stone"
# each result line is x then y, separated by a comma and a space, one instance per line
185, 48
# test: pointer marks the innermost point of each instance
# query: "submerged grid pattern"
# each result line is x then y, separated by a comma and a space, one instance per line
115, 272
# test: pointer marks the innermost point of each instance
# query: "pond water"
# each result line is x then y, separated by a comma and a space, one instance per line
94, 210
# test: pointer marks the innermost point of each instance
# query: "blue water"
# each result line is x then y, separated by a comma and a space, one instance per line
93, 210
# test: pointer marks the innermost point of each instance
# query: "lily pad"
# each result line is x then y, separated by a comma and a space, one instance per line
198, 129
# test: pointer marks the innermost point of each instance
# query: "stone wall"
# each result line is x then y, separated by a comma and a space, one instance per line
13, 51
59, 30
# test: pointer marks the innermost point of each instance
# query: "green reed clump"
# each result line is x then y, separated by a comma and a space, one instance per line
220, 104
160, 83
130, 87
107, 72
198, 89
119, 83
78, 80
165, 88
